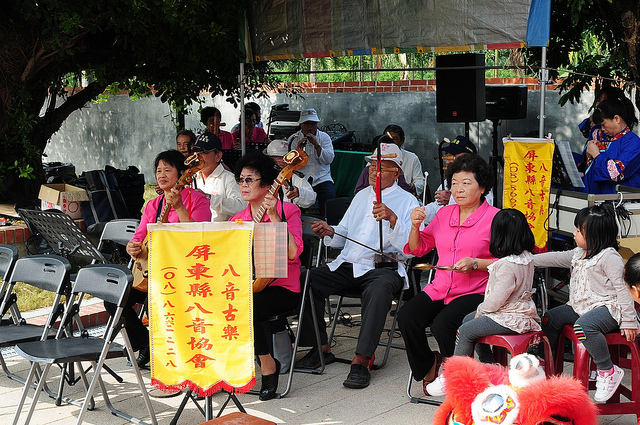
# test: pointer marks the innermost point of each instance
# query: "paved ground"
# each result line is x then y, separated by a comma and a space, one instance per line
313, 399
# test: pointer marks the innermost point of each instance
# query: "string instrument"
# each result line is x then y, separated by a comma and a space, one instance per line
421, 266
380, 259
141, 267
295, 160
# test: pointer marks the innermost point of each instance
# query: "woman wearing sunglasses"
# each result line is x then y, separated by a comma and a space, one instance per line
255, 173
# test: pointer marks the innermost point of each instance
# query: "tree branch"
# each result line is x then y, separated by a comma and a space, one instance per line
53, 119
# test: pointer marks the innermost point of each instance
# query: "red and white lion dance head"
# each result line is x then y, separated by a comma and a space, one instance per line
486, 394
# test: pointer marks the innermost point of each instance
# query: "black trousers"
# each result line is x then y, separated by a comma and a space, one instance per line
138, 333
421, 311
271, 301
378, 288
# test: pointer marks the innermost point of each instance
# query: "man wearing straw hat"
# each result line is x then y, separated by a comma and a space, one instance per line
366, 226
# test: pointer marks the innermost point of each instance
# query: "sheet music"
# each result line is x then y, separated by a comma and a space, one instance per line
568, 164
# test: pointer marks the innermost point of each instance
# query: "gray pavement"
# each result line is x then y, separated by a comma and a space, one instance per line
314, 399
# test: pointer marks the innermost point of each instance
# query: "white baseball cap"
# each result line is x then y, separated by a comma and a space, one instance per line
277, 148
308, 115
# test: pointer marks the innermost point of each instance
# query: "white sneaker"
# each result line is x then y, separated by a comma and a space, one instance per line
606, 386
436, 388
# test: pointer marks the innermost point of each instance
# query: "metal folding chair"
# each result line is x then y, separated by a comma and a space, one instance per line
46, 272
309, 254
110, 283
119, 232
8, 257
390, 333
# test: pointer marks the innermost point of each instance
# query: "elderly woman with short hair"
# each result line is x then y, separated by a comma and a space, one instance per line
460, 233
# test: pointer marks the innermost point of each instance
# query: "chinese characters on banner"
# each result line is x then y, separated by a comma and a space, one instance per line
200, 306
527, 178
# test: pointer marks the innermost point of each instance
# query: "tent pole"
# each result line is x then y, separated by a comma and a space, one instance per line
544, 77
242, 117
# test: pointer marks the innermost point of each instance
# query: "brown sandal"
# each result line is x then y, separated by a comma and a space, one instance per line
433, 372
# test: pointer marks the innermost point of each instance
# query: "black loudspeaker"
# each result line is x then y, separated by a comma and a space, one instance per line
506, 102
460, 94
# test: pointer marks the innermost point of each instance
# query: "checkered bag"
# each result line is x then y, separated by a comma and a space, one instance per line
270, 250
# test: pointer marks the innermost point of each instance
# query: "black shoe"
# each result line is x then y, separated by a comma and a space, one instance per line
270, 384
311, 360
359, 377
144, 356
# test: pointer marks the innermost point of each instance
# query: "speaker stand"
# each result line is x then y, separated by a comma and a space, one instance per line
495, 160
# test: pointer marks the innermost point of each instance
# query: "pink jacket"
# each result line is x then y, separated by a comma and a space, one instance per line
454, 241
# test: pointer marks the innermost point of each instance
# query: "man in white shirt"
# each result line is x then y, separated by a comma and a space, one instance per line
411, 166
319, 148
297, 190
214, 181
355, 267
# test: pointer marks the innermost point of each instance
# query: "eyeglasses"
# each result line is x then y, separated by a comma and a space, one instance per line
384, 169
249, 180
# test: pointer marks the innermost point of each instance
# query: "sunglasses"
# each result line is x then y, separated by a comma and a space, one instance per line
249, 180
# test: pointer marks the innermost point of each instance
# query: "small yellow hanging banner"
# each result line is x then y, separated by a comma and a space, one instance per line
527, 179
200, 306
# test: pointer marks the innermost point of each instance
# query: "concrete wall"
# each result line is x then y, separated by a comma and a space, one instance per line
121, 132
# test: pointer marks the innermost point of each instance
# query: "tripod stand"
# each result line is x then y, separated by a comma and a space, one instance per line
495, 160
208, 405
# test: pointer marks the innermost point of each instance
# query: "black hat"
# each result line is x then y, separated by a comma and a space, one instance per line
207, 141
459, 145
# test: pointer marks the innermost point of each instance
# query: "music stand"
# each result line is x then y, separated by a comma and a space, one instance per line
62, 234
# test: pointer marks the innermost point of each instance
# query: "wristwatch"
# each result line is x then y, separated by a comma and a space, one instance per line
475, 263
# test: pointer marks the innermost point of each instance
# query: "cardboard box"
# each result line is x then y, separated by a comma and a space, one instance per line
628, 247
63, 197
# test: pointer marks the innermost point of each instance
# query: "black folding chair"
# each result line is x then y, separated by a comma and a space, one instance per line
335, 208
46, 272
309, 254
120, 233
108, 282
8, 257
390, 332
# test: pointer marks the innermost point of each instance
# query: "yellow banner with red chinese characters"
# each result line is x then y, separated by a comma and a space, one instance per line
200, 306
527, 179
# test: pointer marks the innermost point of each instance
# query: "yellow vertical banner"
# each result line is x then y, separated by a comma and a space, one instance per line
200, 306
527, 179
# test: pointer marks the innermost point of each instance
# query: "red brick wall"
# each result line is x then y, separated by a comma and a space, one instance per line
400, 86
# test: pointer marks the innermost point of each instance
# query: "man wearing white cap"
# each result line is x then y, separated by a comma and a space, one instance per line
320, 150
355, 267
297, 190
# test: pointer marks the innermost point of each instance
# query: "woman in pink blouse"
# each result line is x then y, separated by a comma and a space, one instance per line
255, 173
460, 233
184, 205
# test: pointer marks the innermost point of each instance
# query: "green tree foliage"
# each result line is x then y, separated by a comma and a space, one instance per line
174, 47
413, 66
595, 38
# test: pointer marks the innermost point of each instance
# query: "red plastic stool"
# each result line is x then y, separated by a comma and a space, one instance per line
620, 349
519, 344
